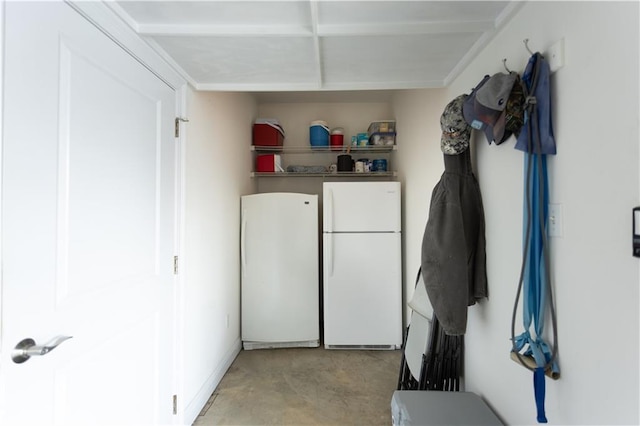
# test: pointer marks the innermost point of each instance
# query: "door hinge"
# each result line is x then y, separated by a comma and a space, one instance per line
175, 265
177, 125
175, 404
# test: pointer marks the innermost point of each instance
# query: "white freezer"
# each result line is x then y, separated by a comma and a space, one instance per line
280, 270
362, 265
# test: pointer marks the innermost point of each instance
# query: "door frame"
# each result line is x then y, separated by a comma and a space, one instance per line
2, 8
107, 20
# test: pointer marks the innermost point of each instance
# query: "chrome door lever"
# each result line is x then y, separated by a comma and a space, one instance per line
28, 348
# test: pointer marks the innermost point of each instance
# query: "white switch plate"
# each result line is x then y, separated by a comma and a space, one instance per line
554, 222
555, 55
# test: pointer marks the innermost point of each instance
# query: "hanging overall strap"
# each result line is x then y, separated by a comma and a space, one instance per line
535, 267
540, 190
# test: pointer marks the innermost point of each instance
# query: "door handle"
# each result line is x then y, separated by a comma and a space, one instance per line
243, 246
28, 348
330, 257
329, 211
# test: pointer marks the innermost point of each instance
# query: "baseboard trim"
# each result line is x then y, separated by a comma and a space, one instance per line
247, 346
193, 408
364, 347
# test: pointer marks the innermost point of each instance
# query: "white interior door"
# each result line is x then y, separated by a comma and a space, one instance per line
88, 225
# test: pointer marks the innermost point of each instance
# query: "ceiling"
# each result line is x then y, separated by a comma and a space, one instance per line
316, 45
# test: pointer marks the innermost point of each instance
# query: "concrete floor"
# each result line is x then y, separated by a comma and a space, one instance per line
305, 386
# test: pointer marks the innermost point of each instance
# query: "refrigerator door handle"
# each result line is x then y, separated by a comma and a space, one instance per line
243, 245
329, 211
330, 254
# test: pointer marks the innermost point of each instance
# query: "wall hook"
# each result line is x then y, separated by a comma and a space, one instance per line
504, 62
526, 45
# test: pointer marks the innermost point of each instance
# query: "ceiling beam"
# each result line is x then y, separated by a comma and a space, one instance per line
316, 29
417, 28
337, 86
223, 30
313, 6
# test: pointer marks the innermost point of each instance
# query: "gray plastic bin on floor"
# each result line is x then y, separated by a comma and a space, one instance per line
431, 408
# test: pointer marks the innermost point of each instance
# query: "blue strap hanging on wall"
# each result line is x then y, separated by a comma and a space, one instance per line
534, 276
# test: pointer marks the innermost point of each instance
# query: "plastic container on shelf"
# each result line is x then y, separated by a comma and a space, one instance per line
382, 139
268, 163
337, 138
267, 132
363, 139
379, 165
382, 126
319, 134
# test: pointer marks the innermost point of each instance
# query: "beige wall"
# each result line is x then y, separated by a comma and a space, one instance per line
216, 166
419, 168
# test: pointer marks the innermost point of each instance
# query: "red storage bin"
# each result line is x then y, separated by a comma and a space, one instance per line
268, 163
267, 132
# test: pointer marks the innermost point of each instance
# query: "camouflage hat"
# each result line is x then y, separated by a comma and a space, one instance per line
513, 112
485, 108
455, 131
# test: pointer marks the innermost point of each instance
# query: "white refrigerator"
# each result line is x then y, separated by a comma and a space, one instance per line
280, 271
362, 275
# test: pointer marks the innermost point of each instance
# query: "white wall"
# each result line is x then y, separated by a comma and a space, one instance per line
216, 173
420, 165
595, 178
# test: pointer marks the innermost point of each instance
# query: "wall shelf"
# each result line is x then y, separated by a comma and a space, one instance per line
325, 175
372, 149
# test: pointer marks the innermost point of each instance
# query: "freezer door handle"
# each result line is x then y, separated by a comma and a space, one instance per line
243, 245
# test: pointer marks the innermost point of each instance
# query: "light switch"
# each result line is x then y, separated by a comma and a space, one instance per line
555, 55
636, 231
